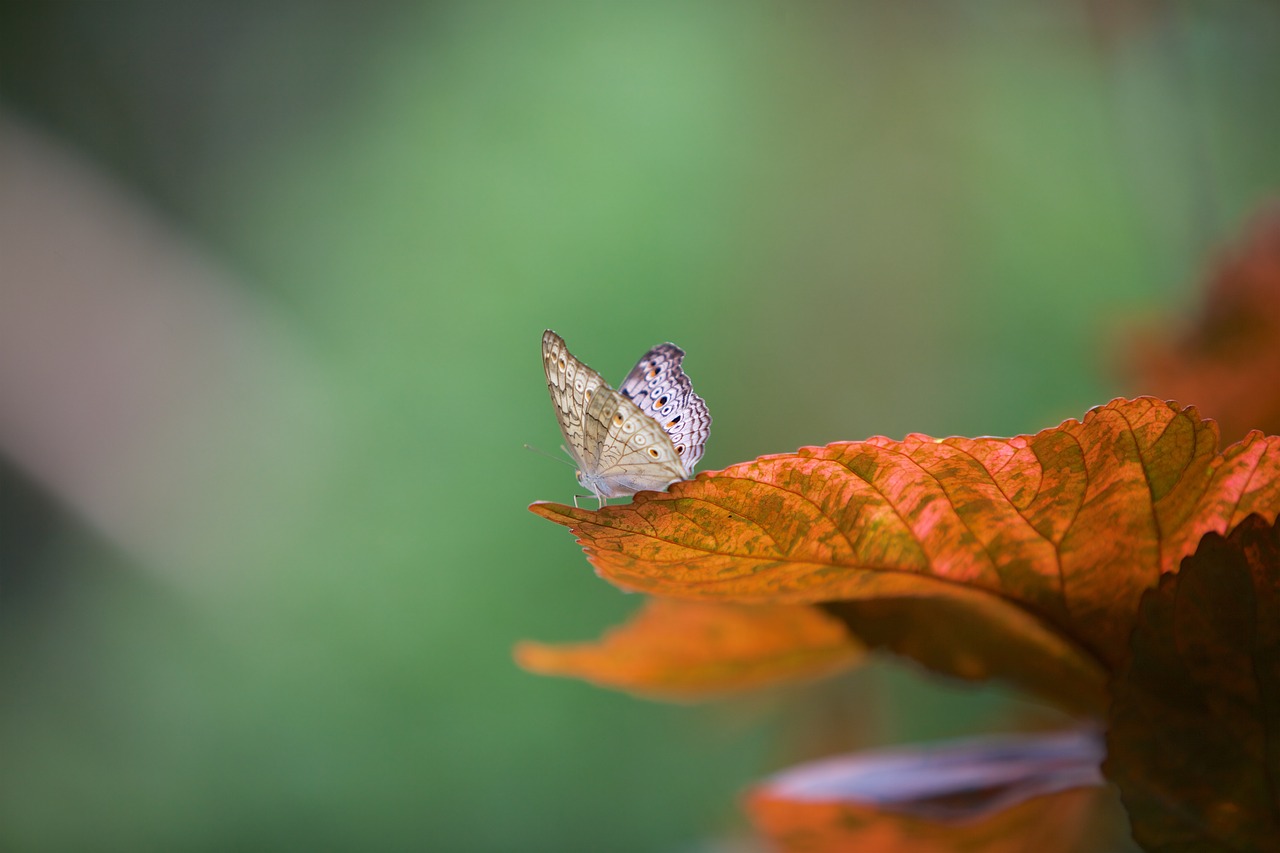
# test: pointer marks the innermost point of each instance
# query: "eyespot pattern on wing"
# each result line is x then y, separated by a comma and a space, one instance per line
664, 392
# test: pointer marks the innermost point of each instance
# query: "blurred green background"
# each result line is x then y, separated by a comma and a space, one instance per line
279, 613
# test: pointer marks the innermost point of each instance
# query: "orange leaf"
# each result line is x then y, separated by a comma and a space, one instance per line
995, 794
691, 650
1194, 741
1060, 532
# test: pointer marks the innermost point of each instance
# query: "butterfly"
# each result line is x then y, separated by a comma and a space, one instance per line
647, 434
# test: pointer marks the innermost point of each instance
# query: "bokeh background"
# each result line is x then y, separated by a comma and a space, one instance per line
272, 283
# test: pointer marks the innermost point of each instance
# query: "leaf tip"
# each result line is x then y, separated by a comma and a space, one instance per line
559, 513
532, 657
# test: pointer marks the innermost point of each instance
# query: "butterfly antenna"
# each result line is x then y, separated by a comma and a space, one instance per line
551, 456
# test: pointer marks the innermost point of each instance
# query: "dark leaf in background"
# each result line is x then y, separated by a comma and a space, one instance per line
1194, 740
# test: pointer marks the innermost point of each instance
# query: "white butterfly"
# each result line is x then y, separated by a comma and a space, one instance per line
647, 434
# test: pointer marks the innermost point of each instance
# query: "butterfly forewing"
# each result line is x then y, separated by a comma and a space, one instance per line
662, 390
572, 385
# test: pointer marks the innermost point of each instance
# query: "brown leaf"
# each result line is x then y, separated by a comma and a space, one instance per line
1010, 793
692, 650
980, 637
1053, 536
1194, 742
1227, 361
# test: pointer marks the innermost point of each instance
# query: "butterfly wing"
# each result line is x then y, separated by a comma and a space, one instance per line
632, 452
572, 385
662, 390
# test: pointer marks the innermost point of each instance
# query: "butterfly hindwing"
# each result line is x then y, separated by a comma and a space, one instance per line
664, 392
633, 453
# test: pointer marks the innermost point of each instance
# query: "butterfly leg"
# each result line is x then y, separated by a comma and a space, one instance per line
603, 501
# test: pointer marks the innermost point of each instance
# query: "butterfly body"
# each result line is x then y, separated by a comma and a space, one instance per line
645, 435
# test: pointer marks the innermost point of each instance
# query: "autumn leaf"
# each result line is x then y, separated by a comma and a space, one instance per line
691, 650
1226, 360
1194, 740
993, 794
1051, 539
